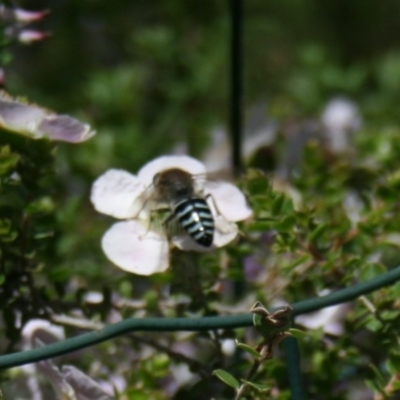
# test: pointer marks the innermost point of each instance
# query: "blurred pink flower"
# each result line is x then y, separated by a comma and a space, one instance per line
134, 244
28, 36
15, 14
25, 16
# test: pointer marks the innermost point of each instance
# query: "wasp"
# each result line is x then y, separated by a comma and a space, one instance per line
177, 188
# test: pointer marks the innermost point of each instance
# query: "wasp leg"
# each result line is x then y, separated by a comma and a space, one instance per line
212, 205
171, 226
154, 222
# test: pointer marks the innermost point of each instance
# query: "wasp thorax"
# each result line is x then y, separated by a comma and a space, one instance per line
173, 184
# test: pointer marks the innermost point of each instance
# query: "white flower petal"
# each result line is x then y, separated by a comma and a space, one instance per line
133, 247
330, 319
43, 330
65, 128
225, 231
19, 117
60, 385
118, 193
229, 200
186, 163
84, 386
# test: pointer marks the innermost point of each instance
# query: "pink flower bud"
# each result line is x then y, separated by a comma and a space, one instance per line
27, 36
2, 78
24, 16
8, 14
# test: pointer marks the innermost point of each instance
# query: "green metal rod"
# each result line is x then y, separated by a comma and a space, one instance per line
292, 355
189, 324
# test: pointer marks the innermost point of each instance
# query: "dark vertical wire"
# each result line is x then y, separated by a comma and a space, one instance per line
236, 59
292, 355
236, 16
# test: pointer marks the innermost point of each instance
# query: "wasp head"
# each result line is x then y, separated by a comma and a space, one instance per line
173, 184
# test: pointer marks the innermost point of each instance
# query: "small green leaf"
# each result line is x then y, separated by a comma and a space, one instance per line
260, 326
395, 386
317, 232
277, 204
393, 363
390, 315
258, 386
297, 262
248, 349
43, 235
297, 333
374, 385
379, 379
227, 378
370, 271
286, 223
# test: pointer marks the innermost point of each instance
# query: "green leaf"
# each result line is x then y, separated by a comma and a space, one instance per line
227, 378
260, 326
258, 386
297, 333
286, 224
248, 349
298, 261
379, 379
371, 270
374, 386
317, 232
396, 385
373, 324
278, 204
393, 363
8, 160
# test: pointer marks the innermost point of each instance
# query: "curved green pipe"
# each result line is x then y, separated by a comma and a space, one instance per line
189, 324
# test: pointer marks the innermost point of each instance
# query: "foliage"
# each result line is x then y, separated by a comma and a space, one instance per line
153, 78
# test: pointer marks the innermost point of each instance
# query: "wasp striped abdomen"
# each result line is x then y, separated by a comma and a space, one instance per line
195, 217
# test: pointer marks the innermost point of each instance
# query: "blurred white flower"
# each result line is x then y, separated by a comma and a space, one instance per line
135, 245
40, 329
259, 132
329, 319
228, 347
340, 118
36, 122
43, 331
70, 383
353, 207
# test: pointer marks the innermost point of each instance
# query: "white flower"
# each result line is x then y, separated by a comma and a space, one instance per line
70, 383
135, 245
16, 115
340, 119
329, 319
